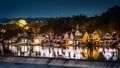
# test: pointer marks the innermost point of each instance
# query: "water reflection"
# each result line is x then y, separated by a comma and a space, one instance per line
69, 52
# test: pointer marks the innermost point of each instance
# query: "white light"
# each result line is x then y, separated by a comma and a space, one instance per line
100, 49
86, 50
36, 48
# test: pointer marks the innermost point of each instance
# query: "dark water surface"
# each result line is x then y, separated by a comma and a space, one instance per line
19, 65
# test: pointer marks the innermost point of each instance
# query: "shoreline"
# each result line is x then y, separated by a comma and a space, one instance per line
58, 62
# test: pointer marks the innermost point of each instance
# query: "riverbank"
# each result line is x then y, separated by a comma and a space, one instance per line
14, 60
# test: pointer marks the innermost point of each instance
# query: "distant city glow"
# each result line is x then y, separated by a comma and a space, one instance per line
21, 23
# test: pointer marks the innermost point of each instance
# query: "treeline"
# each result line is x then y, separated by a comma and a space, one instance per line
106, 22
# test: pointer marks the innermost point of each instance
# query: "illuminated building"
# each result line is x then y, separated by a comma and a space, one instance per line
86, 38
107, 40
95, 37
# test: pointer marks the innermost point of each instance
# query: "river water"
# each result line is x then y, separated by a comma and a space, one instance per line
18, 65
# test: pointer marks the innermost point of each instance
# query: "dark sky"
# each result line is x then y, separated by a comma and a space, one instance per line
53, 8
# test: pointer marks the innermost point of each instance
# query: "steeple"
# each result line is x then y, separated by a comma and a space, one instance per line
77, 27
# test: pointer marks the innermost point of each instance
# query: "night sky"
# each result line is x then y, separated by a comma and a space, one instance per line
53, 8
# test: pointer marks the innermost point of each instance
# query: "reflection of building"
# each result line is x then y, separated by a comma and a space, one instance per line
110, 53
1, 48
73, 52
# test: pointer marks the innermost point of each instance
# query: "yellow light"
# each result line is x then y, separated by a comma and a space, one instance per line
95, 54
86, 53
21, 23
26, 27
70, 42
3, 30
71, 48
36, 41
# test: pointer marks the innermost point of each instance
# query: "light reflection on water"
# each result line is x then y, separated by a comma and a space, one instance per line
70, 52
